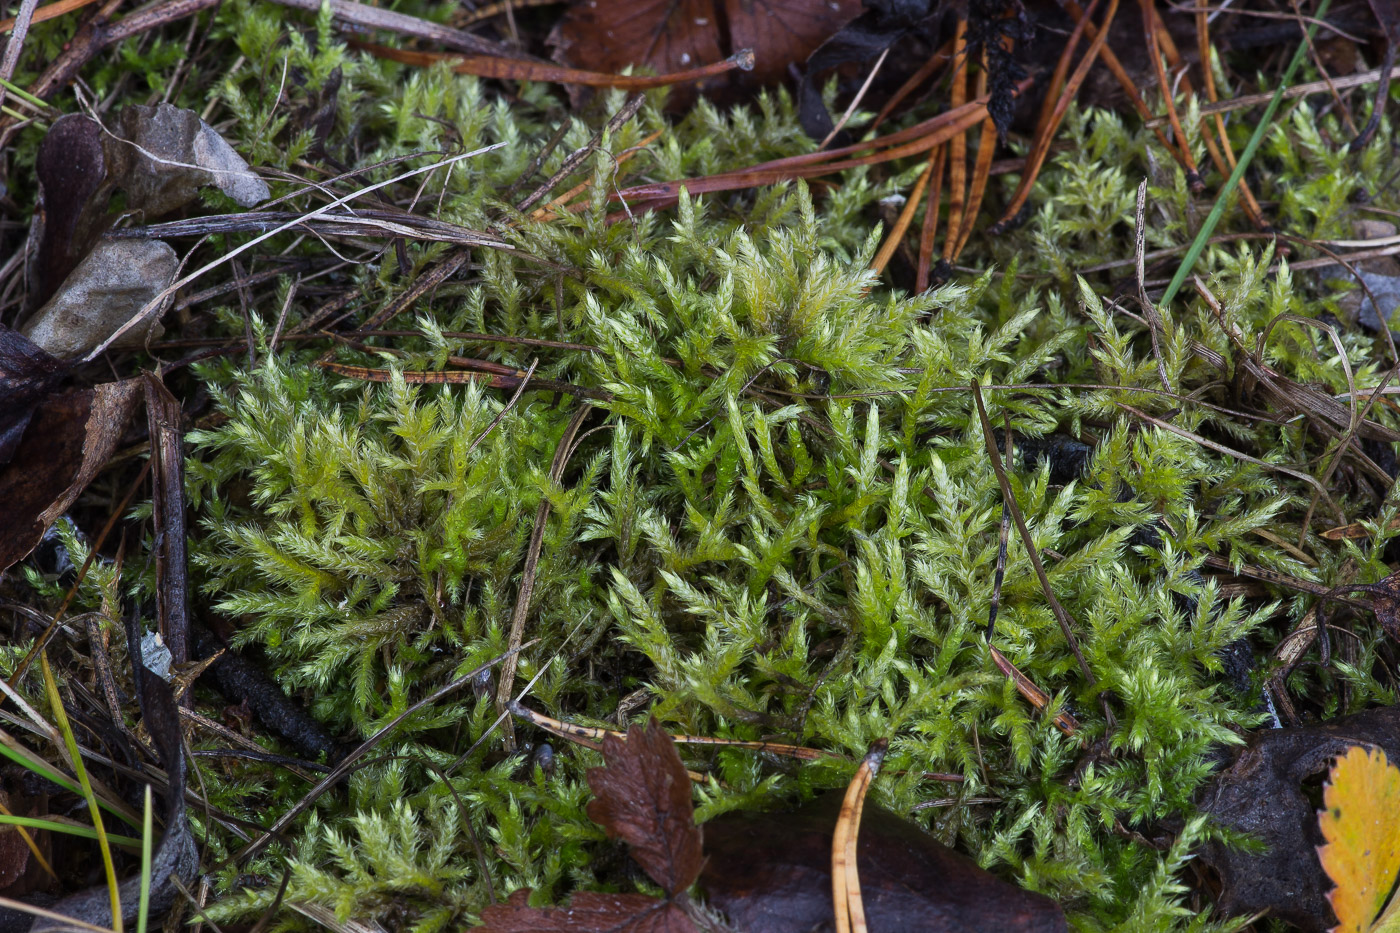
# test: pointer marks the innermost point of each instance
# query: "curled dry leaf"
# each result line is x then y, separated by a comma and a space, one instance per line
1361, 822
674, 35
109, 286
771, 873
1263, 794
642, 797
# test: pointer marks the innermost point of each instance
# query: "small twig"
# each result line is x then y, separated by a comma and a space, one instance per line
348, 762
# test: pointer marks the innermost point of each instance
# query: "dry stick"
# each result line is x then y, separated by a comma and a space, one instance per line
1062, 615
155, 303
15, 44
957, 149
1298, 90
1035, 696
845, 878
348, 762
534, 166
163, 424
942, 56
532, 559
547, 212
627, 112
1239, 455
1154, 321
929, 231
360, 14
514, 69
423, 284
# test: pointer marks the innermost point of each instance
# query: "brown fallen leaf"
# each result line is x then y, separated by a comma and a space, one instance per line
771, 873
674, 35
1263, 793
588, 912
642, 797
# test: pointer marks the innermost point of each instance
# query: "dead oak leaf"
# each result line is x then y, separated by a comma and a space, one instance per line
1361, 822
588, 912
642, 796
673, 35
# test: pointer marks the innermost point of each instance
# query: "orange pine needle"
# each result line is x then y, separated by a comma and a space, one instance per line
845, 879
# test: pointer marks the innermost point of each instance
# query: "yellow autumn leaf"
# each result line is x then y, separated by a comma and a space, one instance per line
1361, 823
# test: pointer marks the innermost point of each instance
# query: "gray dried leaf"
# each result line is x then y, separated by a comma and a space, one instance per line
162, 155
112, 283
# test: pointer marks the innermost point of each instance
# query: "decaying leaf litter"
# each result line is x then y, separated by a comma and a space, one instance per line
473, 354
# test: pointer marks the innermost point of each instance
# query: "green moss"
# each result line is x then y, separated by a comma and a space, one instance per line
781, 520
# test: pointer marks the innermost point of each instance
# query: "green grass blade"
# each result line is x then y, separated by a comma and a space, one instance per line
64, 727
147, 832
1203, 236
85, 832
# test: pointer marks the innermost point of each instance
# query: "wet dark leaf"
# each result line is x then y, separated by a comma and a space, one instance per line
673, 35
68, 439
588, 913
71, 168
642, 797
771, 873
882, 24
1265, 793
27, 376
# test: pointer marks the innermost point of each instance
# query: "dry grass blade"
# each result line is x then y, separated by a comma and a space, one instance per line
1033, 694
981, 172
1245, 101
1239, 455
1154, 320
625, 113
592, 737
159, 300
562, 453
1062, 615
547, 212
845, 878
